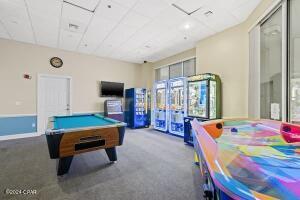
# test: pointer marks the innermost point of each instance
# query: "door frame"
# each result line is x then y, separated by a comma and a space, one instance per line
40, 92
277, 4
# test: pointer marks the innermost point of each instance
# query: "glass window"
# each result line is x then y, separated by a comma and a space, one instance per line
176, 70
189, 67
186, 68
294, 113
162, 74
271, 67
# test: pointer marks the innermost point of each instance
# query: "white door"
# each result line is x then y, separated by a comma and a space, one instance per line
53, 98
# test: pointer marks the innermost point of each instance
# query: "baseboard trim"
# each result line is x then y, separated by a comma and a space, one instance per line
18, 136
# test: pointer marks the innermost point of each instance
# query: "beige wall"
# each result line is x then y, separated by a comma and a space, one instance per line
86, 71
147, 75
226, 54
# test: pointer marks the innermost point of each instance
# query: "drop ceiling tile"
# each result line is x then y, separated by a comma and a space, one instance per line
45, 8
115, 13
87, 4
133, 43
120, 35
170, 17
87, 47
126, 3
135, 19
104, 50
97, 31
131, 30
45, 18
14, 17
218, 21
76, 16
69, 40
150, 8
166, 37
19, 31
46, 32
195, 29
243, 11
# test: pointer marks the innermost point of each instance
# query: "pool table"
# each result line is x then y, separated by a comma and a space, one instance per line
75, 134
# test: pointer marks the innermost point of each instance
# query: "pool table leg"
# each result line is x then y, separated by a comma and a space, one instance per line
112, 154
64, 165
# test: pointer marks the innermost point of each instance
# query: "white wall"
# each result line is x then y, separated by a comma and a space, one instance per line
19, 58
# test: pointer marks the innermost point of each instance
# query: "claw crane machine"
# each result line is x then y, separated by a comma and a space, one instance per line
204, 101
177, 106
160, 105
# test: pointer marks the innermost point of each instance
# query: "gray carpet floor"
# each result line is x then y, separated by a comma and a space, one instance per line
151, 166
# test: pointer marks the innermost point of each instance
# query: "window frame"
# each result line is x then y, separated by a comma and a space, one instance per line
173, 63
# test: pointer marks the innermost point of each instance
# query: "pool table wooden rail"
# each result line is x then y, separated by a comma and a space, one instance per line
110, 138
63, 144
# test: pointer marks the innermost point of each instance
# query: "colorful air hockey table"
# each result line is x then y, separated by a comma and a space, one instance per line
244, 159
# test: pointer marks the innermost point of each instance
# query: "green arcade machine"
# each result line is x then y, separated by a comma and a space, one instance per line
204, 101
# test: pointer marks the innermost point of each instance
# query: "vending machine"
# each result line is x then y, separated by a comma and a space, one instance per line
177, 105
204, 101
136, 108
148, 106
160, 99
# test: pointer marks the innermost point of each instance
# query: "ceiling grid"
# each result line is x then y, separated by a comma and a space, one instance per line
129, 30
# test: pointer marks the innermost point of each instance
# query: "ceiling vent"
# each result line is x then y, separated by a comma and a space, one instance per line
184, 11
208, 13
73, 27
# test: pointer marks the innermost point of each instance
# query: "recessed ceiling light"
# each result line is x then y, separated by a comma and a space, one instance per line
109, 6
187, 26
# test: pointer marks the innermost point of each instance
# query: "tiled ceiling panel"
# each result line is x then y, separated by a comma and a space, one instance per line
45, 17
130, 30
110, 10
126, 3
15, 19
74, 23
87, 4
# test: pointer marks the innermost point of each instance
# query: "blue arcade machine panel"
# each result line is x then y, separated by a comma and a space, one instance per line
177, 106
161, 106
136, 112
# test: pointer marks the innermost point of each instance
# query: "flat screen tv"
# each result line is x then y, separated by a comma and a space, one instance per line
111, 89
